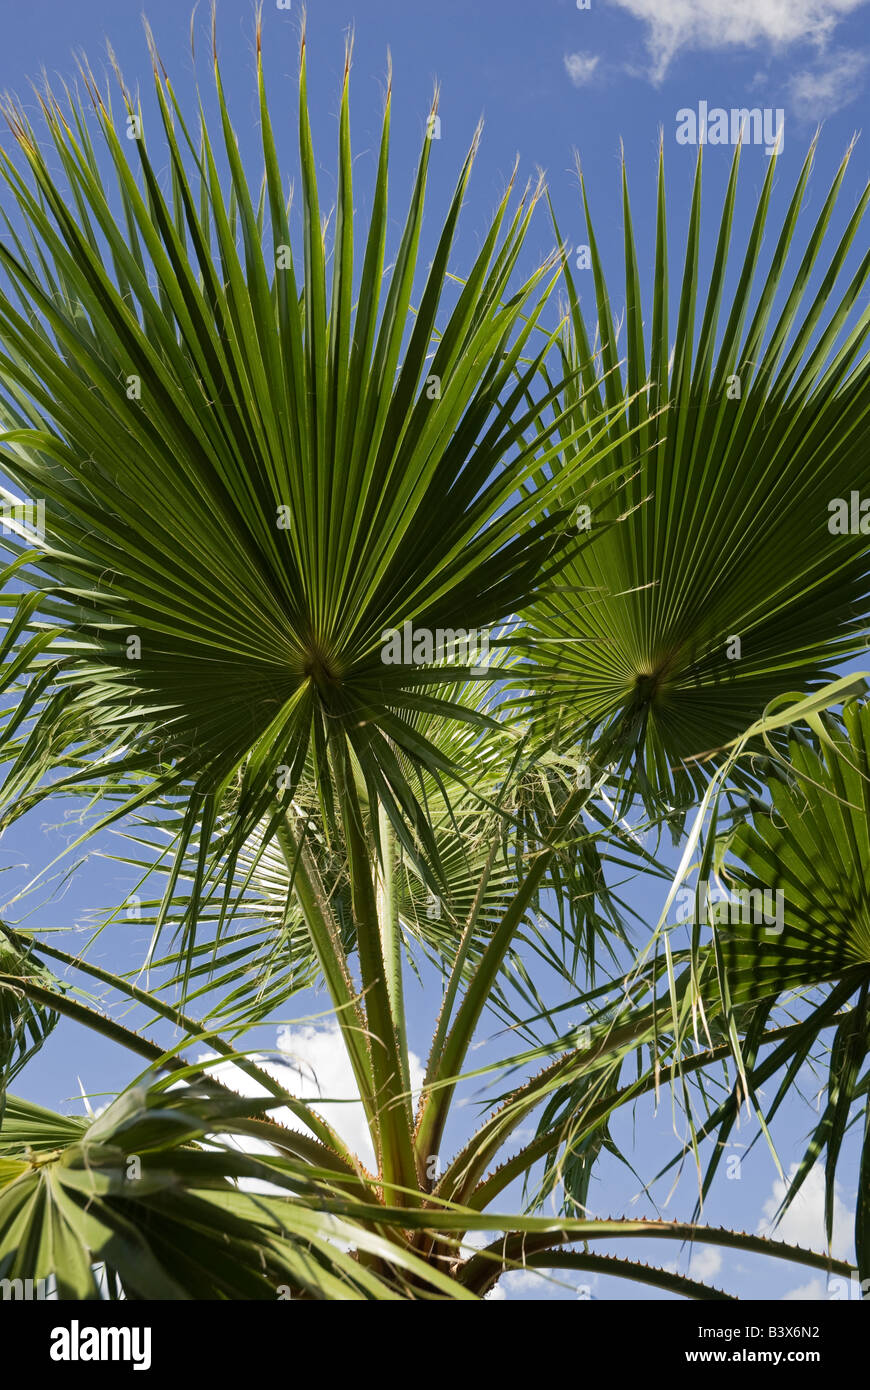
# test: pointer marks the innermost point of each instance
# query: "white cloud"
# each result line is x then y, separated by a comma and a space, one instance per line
804, 1221
812, 1292
580, 67
523, 1281
317, 1070
544, 1285
675, 25
476, 1240
705, 1262
828, 85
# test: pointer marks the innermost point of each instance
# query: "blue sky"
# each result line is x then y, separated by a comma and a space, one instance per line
549, 79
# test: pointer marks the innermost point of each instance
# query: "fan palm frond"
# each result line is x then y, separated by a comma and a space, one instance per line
729, 579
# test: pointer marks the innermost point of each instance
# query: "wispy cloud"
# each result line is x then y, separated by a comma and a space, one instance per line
580, 67
828, 85
813, 1292
676, 25
540, 1286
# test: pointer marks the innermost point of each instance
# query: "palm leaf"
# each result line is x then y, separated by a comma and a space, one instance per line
723, 585
24, 1025
137, 1190
223, 553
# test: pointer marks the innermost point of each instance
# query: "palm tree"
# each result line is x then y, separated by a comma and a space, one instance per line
257, 479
